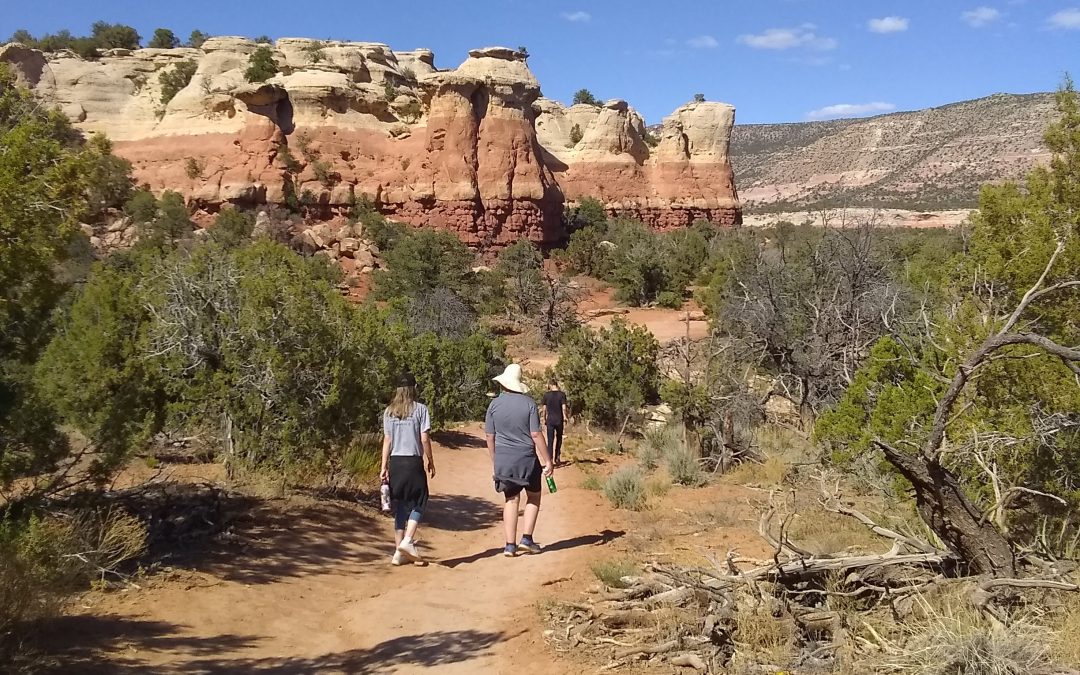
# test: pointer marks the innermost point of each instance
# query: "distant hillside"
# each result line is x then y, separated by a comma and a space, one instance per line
931, 159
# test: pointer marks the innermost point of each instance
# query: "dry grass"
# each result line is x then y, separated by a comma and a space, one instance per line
770, 473
658, 486
949, 636
761, 637
591, 482
823, 532
1066, 643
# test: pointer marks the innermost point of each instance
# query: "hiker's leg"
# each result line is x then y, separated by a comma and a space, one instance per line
551, 431
401, 520
414, 522
510, 518
532, 511
557, 452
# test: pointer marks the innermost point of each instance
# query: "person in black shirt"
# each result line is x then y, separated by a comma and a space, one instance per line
555, 415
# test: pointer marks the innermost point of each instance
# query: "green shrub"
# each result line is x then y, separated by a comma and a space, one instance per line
261, 65
576, 134
654, 445
611, 572
263, 40
164, 39
232, 228
196, 39
625, 488
588, 212
172, 81
114, 36
322, 171
193, 168
612, 372
292, 165
314, 51
584, 96
683, 465
423, 260
412, 111
364, 458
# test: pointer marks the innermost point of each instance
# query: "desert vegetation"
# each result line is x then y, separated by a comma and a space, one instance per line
931, 386
900, 405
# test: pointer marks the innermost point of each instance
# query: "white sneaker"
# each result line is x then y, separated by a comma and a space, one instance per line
397, 559
407, 549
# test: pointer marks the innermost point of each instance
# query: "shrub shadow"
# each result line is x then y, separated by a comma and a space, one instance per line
267, 545
88, 645
455, 440
461, 513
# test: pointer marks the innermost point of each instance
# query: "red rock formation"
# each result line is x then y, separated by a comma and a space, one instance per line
473, 150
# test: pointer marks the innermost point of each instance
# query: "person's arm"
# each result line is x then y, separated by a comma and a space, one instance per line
565, 412
384, 474
542, 452
540, 443
425, 439
489, 431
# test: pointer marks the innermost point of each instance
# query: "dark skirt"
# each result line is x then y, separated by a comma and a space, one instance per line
408, 482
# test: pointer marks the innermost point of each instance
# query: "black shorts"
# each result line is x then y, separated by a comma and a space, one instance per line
512, 489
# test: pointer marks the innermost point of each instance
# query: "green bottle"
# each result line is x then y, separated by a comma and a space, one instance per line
551, 484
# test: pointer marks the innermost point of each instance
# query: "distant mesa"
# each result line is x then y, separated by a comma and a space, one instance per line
927, 160
476, 149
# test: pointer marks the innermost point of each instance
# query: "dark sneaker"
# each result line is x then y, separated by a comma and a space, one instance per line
510, 550
529, 546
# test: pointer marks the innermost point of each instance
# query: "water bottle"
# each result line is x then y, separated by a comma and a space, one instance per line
551, 484
385, 493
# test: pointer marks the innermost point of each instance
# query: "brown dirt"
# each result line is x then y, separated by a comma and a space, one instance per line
665, 324
311, 589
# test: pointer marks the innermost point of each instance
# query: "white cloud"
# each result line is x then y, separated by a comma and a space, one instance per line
1068, 19
850, 110
788, 38
703, 42
981, 16
888, 24
577, 17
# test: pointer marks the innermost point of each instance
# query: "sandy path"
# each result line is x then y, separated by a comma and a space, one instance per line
314, 592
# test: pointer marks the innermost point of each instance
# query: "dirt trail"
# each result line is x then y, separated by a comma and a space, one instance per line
314, 591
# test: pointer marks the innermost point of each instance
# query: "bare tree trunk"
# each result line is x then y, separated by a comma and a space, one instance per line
230, 450
950, 514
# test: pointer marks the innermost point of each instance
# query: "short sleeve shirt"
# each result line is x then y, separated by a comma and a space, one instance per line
512, 419
405, 433
554, 402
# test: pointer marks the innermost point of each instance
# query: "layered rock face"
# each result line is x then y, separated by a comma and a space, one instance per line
668, 182
474, 150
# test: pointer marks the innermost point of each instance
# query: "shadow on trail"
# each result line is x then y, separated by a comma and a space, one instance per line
74, 643
455, 440
90, 636
278, 541
460, 513
598, 539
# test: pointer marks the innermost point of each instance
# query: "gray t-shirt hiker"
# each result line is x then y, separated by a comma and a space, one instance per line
405, 433
512, 419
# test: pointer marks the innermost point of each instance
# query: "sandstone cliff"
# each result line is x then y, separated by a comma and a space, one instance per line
686, 175
475, 150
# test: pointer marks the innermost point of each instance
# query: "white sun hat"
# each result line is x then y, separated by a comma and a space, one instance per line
511, 379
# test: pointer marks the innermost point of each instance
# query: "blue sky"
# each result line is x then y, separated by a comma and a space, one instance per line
775, 60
